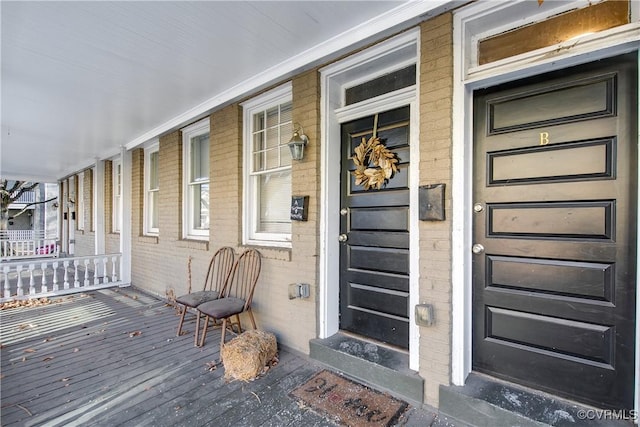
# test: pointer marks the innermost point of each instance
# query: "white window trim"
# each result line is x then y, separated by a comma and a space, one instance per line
391, 54
116, 199
277, 96
152, 148
189, 132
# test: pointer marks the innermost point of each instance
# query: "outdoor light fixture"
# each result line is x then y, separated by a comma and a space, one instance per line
297, 143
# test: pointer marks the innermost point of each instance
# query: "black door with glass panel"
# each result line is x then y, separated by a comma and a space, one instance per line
555, 214
374, 249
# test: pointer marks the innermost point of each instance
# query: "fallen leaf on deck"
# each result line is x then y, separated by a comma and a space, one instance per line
64, 380
30, 350
75, 350
47, 358
24, 326
135, 334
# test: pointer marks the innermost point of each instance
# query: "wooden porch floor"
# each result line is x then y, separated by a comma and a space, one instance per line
111, 358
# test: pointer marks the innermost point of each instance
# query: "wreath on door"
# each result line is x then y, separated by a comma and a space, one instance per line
375, 163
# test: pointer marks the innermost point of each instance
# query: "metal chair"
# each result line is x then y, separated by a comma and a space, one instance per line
237, 297
217, 275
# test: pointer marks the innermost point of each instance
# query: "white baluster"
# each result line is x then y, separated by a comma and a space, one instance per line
96, 281
19, 271
114, 275
32, 282
86, 272
76, 277
7, 288
65, 264
43, 266
104, 270
55, 266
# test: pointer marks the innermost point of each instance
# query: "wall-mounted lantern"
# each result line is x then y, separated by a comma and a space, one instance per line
297, 143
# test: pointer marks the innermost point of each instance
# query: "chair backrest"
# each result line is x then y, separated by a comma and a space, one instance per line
244, 276
219, 270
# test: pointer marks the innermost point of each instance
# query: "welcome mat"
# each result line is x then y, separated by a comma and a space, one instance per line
347, 402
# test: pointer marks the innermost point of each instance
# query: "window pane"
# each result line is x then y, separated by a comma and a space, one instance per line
285, 112
200, 158
153, 206
285, 156
286, 132
258, 121
273, 137
153, 171
200, 206
258, 161
272, 117
258, 141
275, 203
273, 160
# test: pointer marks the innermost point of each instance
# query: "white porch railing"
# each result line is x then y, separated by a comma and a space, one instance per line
28, 248
22, 234
60, 276
26, 197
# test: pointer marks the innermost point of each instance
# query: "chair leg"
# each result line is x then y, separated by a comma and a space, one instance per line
224, 330
204, 332
184, 311
239, 324
195, 340
253, 321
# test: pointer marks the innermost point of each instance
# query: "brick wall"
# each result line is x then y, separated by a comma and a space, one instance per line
436, 91
160, 264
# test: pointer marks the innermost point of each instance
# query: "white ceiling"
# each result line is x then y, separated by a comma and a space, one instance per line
80, 79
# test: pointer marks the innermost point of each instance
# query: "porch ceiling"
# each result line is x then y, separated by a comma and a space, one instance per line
81, 79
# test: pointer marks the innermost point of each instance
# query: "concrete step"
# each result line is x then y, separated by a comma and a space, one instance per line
485, 401
380, 367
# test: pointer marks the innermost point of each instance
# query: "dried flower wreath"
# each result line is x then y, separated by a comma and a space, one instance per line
374, 152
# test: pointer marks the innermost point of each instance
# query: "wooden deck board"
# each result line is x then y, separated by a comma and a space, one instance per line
112, 358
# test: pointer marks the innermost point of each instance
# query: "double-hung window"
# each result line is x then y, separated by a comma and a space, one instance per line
195, 139
116, 173
267, 171
80, 201
151, 188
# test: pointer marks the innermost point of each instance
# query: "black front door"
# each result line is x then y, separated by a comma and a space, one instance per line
374, 258
555, 207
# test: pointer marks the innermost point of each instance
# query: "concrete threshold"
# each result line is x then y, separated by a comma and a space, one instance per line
378, 366
486, 401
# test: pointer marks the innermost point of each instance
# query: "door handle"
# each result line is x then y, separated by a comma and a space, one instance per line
477, 248
343, 238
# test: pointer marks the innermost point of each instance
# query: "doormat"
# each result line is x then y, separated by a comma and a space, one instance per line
347, 402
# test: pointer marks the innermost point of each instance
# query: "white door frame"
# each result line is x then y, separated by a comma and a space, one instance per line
467, 77
395, 53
